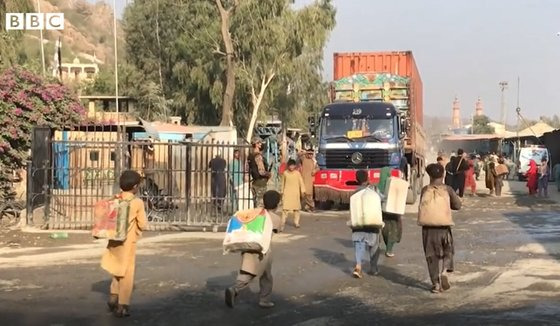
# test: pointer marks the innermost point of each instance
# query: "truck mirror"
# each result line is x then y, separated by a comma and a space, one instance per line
311, 122
312, 125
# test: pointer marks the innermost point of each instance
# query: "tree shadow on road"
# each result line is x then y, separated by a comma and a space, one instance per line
348, 243
339, 260
395, 277
202, 307
101, 286
333, 258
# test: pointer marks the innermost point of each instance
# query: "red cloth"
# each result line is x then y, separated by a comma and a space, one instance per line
470, 181
282, 168
532, 177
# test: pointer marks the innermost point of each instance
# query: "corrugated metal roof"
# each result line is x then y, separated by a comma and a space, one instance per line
472, 137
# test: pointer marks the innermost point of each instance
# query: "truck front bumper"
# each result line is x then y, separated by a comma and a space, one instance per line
339, 185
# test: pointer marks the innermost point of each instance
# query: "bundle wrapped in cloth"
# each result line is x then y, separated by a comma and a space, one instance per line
111, 219
248, 231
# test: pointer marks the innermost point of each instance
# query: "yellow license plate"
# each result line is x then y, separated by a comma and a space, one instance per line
355, 134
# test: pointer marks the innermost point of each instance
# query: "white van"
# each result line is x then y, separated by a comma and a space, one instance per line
536, 153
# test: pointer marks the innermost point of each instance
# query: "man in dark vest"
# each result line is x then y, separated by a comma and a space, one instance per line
258, 171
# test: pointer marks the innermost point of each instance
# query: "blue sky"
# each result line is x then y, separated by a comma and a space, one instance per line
462, 47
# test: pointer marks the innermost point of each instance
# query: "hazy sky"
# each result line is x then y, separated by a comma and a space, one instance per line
462, 47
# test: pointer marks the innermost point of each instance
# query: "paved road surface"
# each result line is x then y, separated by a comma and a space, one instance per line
507, 273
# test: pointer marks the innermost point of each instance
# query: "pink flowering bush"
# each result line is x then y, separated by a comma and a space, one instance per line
27, 100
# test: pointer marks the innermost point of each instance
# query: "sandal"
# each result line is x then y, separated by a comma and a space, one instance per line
357, 273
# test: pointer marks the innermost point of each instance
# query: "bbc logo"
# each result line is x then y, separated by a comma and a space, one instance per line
34, 21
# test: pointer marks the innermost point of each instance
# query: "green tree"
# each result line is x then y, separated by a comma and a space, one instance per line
283, 54
274, 45
481, 125
10, 41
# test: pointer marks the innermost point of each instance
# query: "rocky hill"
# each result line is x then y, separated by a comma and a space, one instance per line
87, 34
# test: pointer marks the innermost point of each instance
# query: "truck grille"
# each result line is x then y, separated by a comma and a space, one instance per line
371, 158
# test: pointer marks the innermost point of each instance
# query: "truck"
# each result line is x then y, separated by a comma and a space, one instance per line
373, 121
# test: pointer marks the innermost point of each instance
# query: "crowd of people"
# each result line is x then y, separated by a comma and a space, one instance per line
463, 171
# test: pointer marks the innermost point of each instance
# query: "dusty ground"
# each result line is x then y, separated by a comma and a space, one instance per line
507, 273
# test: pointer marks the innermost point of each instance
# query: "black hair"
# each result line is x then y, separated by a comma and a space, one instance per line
271, 199
362, 176
435, 171
439, 158
129, 179
460, 151
291, 162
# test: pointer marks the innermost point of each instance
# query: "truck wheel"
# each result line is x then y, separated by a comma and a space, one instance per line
413, 190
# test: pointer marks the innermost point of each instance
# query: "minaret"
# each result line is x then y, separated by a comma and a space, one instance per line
456, 120
479, 108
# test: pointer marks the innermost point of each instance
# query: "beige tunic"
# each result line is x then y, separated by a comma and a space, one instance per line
292, 190
308, 169
120, 255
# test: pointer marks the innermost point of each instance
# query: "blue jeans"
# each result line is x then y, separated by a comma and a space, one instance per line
362, 248
543, 185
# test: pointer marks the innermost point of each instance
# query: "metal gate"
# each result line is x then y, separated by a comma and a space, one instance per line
185, 184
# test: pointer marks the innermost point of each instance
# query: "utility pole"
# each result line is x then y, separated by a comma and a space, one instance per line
518, 113
41, 40
119, 147
503, 113
503, 86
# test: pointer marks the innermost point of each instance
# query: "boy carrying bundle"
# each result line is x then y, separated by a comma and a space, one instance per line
434, 215
120, 257
365, 235
256, 264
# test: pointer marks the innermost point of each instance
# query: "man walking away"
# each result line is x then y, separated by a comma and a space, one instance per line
366, 239
543, 178
259, 265
218, 181
500, 173
258, 171
434, 216
459, 165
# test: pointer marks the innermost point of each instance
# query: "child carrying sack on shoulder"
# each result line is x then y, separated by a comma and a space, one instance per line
111, 219
249, 231
435, 207
365, 209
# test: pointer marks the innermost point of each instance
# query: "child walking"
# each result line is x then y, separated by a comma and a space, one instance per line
366, 239
120, 257
293, 190
434, 215
255, 265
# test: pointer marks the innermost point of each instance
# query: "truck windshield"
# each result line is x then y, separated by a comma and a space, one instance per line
335, 127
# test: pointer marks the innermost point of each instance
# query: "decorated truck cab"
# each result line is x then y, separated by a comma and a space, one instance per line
374, 122
356, 136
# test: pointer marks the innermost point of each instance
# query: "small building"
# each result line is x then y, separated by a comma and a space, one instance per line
77, 71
